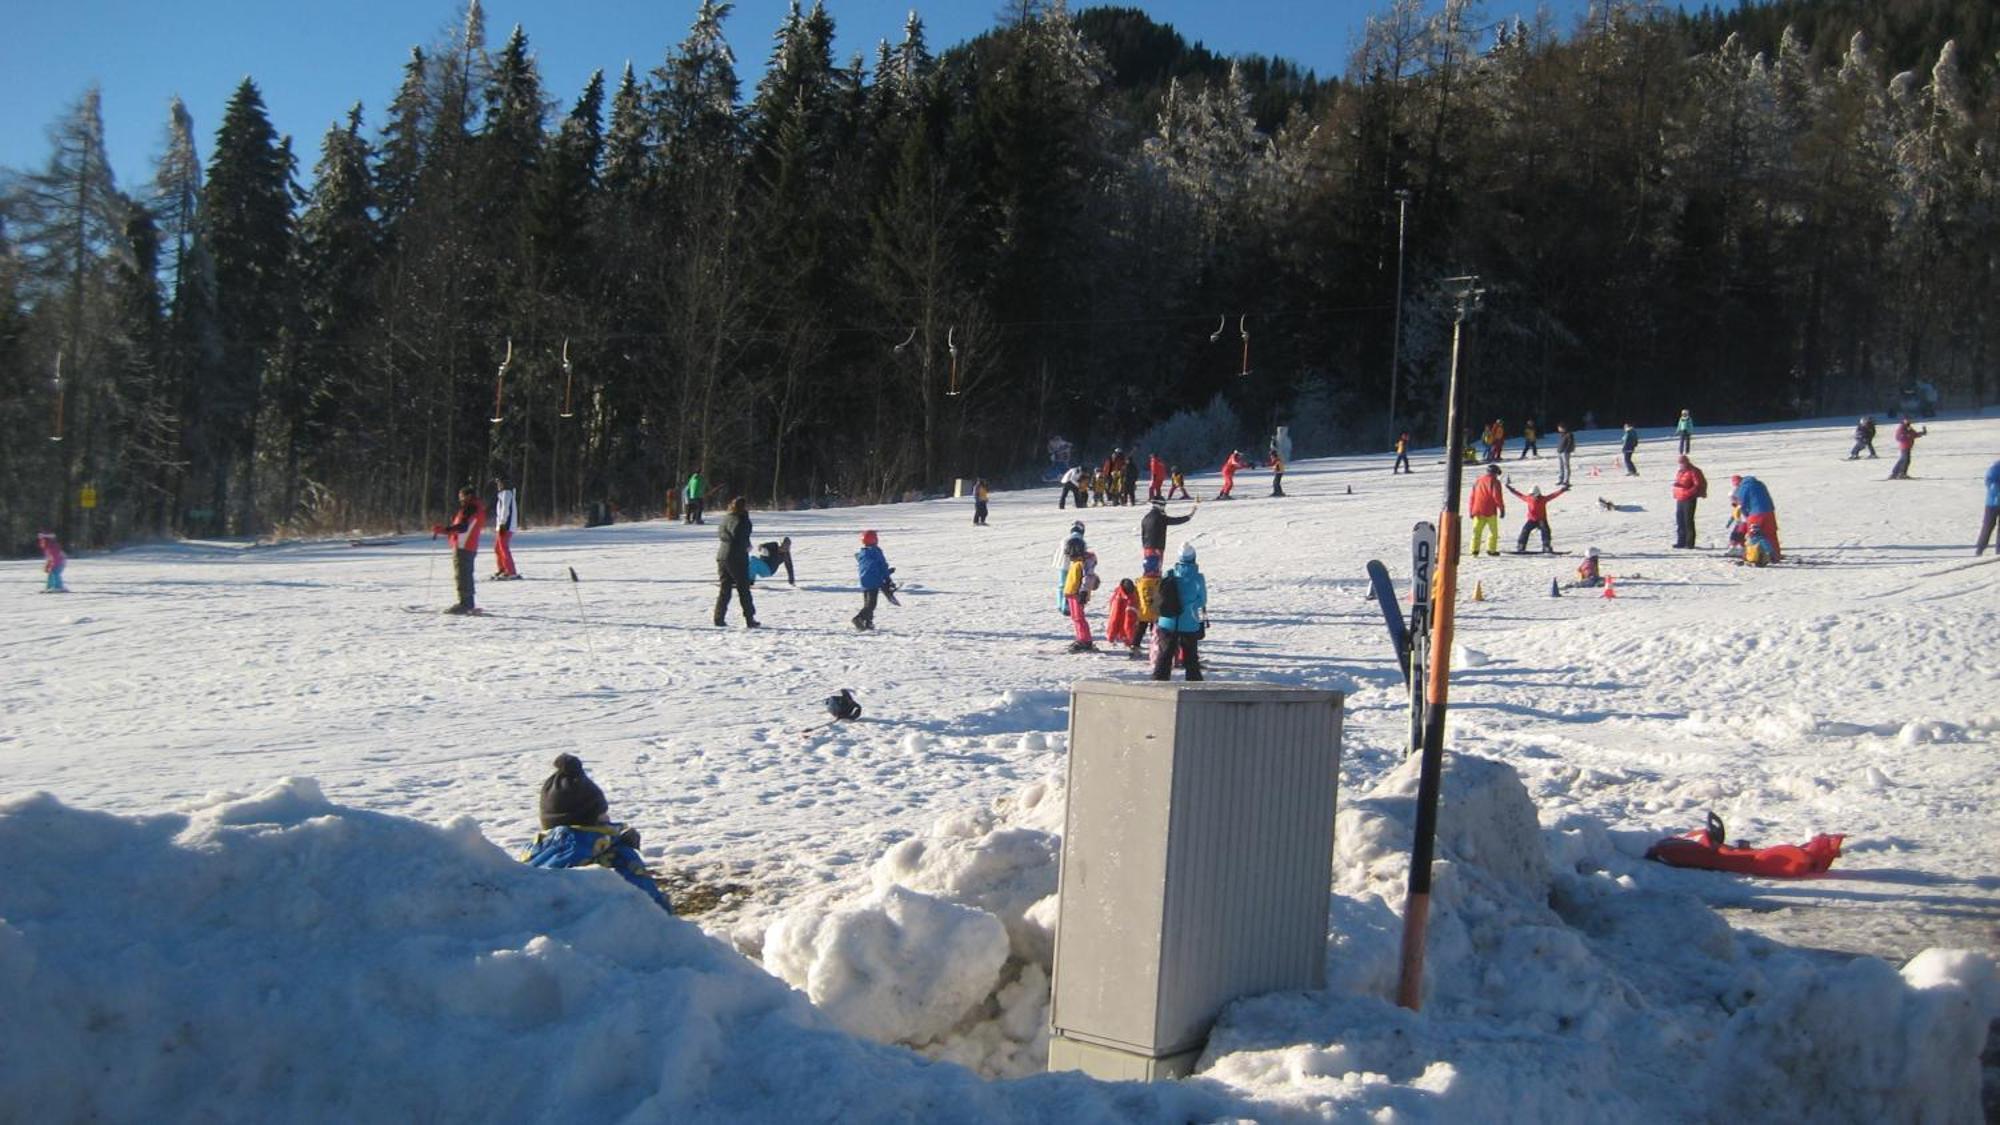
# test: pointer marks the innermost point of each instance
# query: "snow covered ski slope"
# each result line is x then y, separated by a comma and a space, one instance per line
1854, 688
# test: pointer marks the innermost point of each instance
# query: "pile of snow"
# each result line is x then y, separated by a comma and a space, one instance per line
281, 958
949, 949
1638, 1001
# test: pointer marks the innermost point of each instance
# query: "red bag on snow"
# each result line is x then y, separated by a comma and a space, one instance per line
1704, 848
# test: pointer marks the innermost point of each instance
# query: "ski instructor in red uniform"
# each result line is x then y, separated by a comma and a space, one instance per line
464, 532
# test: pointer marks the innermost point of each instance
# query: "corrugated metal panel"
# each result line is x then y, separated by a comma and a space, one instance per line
1197, 857
1114, 876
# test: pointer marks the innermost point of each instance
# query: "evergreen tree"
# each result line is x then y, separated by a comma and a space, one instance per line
70, 234
246, 225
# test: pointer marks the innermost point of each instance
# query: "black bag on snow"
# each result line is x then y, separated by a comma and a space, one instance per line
843, 706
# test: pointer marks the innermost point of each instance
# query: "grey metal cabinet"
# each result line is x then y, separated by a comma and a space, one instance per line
1196, 864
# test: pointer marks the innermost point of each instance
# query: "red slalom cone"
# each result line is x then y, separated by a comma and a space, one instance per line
1610, 587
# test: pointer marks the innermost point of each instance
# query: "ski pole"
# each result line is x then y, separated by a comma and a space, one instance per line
430, 573
1417, 901
575, 587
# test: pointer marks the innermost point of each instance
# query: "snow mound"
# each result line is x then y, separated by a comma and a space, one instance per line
901, 965
978, 992
281, 958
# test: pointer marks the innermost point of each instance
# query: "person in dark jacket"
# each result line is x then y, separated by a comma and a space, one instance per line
1864, 438
577, 831
1153, 530
1565, 449
732, 563
1627, 446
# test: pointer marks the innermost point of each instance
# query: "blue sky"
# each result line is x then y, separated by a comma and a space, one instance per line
313, 60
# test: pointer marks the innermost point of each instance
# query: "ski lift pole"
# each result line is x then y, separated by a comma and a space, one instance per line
1243, 330
1417, 903
57, 433
500, 381
951, 344
569, 384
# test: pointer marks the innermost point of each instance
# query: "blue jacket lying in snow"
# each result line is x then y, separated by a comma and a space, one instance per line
603, 845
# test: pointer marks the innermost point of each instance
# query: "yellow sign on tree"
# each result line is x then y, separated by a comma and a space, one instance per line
89, 498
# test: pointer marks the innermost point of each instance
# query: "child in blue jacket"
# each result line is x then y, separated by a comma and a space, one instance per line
874, 571
578, 832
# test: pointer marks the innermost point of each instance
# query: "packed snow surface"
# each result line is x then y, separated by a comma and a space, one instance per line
263, 819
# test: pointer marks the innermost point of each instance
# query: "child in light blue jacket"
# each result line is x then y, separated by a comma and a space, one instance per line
1186, 592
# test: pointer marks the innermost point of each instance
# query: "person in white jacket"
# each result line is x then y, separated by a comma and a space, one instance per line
1072, 485
504, 519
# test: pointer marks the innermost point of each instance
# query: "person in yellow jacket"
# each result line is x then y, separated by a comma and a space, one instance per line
1148, 586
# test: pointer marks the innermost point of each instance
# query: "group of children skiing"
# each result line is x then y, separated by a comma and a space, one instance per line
1172, 606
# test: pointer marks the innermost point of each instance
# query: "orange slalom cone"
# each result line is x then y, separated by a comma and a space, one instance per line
1610, 587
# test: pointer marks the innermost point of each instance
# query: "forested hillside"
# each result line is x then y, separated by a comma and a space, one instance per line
820, 279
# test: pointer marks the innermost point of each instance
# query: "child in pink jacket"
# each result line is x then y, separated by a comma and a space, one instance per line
52, 562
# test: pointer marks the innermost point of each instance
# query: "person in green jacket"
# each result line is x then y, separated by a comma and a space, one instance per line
692, 494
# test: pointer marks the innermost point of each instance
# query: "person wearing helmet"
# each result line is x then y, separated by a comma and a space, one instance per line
1538, 517
1231, 465
1864, 438
1183, 619
1486, 506
1079, 578
1587, 573
874, 571
1153, 530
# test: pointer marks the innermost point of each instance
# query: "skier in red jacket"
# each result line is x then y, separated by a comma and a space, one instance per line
1538, 517
1486, 506
1689, 486
1157, 470
1230, 466
464, 531
1906, 439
